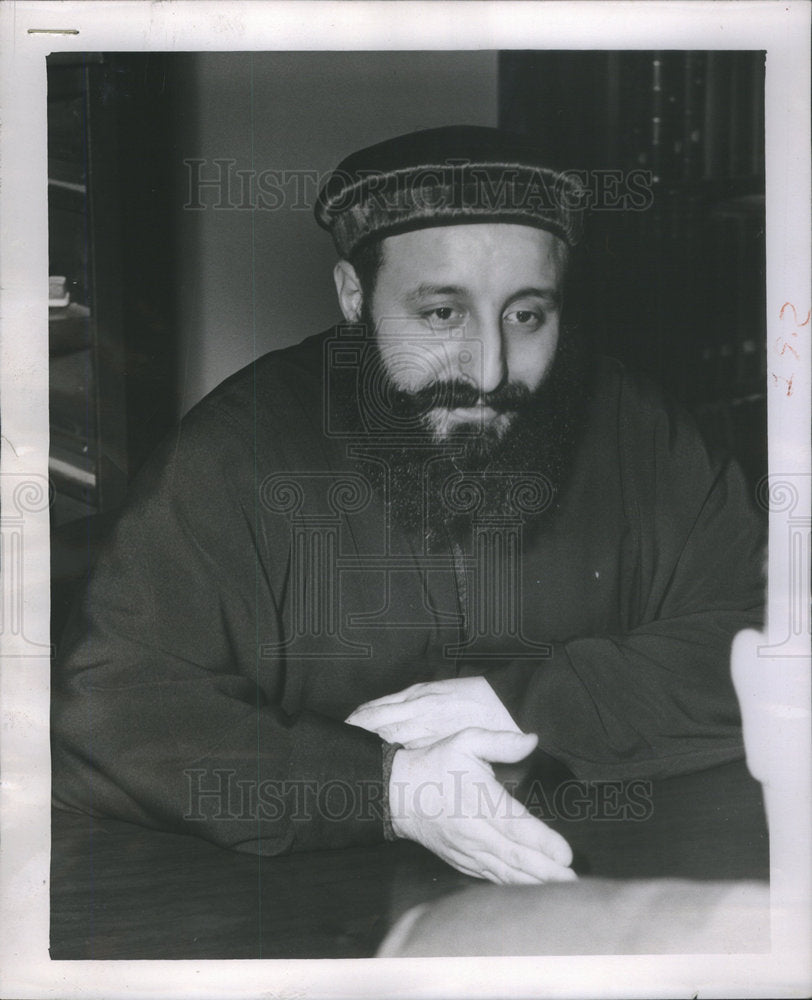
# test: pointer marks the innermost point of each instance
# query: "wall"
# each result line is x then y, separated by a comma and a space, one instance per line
254, 280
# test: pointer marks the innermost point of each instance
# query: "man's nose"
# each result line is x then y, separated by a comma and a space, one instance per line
488, 364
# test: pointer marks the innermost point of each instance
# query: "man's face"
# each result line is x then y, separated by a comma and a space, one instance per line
467, 321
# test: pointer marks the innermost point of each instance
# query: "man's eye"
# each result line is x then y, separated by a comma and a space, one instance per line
443, 315
526, 318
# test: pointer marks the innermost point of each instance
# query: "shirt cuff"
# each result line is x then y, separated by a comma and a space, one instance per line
388, 751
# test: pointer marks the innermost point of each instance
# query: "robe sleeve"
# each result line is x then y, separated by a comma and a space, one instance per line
165, 712
656, 700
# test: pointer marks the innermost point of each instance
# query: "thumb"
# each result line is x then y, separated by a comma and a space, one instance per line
495, 747
747, 668
752, 680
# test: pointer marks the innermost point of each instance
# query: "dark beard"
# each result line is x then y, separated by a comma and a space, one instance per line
432, 489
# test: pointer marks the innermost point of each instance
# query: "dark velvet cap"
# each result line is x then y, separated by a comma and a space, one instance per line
446, 176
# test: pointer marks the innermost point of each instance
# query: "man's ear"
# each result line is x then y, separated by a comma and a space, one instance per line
348, 289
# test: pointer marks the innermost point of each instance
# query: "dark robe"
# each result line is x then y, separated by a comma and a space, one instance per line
251, 596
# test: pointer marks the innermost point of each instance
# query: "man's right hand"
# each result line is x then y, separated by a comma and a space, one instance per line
445, 797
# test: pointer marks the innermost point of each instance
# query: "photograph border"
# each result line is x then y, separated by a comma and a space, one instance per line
31, 30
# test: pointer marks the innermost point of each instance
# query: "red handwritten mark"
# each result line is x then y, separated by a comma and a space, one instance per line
787, 347
788, 381
789, 305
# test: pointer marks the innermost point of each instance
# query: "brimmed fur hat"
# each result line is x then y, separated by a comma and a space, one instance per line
446, 176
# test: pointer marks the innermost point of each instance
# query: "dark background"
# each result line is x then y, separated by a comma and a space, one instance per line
166, 301
677, 290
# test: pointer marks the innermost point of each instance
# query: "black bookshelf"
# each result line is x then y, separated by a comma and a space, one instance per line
676, 289
112, 371
113, 388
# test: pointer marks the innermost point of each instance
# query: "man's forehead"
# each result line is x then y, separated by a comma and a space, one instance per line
496, 237
443, 257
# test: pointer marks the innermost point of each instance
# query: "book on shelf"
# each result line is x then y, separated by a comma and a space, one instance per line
693, 114
738, 315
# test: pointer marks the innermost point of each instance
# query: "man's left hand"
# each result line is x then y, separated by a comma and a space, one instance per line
424, 713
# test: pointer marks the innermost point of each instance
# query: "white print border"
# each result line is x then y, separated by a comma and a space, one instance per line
28, 31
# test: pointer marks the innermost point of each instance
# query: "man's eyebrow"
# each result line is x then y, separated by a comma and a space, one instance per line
426, 291
551, 295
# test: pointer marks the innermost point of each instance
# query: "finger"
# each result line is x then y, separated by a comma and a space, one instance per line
486, 866
393, 699
514, 821
375, 716
535, 863
498, 870
530, 860
493, 852
497, 747
517, 832
523, 828
410, 734
542, 838
366, 709
423, 741
501, 873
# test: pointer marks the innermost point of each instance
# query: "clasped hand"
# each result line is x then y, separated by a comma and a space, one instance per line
443, 792
424, 713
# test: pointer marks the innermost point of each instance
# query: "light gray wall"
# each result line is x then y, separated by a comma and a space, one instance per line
251, 281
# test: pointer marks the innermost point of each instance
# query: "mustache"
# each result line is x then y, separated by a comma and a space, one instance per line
456, 393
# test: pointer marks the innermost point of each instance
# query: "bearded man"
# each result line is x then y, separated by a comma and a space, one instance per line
371, 566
